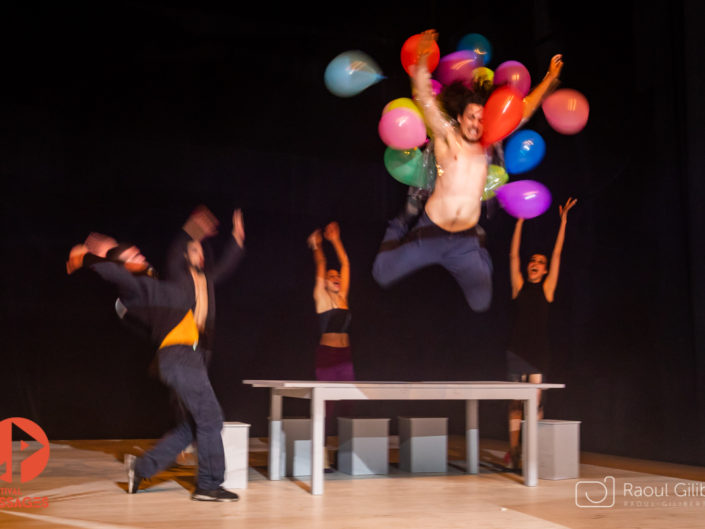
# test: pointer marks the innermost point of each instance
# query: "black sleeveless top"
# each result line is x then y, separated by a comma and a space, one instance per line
529, 338
334, 320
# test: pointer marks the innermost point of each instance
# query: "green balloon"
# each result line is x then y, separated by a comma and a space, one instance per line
496, 177
406, 166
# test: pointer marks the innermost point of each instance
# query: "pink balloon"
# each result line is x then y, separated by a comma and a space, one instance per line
514, 74
436, 87
524, 199
566, 110
401, 128
457, 66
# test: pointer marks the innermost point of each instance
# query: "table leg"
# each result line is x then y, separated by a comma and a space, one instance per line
472, 437
318, 440
530, 442
275, 436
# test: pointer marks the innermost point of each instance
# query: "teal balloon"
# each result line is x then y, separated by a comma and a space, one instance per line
350, 73
406, 166
479, 44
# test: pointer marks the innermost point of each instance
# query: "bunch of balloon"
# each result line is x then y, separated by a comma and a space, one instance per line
482, 50
503, 112
458, 66
402, 126
478, 44
524, 199
406, 166
523, 151
514, 74
410, 54
566, 111
350, 73
402, 102
483, 75
496, 177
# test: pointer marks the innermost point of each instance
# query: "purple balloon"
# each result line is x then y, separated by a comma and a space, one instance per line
524, 199
436, 87
457, 66
514, 74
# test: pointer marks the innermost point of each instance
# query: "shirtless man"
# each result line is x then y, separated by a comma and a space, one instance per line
446, 233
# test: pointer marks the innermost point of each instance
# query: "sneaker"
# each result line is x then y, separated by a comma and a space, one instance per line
219, 494
512, 460
133, 480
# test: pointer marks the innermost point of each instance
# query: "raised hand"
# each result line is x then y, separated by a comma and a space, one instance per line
201, 224
425, 45
75, 260
315, 239
563, 210
332, 232
239, 227
554, 68
99, 244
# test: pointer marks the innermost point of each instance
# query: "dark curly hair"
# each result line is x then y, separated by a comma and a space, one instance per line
456, 96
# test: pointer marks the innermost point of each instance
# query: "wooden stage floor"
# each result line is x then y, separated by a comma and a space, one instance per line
84, 485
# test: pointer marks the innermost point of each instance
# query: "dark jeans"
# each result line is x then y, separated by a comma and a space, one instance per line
426, 244
183, 370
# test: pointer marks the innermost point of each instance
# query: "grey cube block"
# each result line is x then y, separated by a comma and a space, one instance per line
363, 445
236, 441
559, 449
296, 447
423, 444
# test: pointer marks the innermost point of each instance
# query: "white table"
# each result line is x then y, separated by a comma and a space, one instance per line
318, 392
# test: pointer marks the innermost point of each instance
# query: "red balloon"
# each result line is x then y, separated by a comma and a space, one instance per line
502, 113
410, 54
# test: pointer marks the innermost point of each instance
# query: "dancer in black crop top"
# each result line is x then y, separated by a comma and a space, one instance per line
330, 294
528, 356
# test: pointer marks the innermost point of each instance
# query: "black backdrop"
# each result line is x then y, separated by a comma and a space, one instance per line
122, 117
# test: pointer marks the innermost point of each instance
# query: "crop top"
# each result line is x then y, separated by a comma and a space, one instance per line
335, 320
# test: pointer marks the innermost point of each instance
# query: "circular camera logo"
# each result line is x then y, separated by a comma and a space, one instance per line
32, 465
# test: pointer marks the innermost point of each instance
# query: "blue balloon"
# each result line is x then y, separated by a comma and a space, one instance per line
479, 44
523, 151
350, 73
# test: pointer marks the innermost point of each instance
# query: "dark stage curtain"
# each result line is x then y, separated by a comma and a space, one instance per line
122, 118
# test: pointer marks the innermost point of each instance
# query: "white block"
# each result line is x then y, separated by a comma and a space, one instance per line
559, 449
423, 444
363, 445
296, 447
236, 439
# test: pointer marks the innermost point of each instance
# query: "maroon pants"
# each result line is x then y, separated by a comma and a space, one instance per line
333, 364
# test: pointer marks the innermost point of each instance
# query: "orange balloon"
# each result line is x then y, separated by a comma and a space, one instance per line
410, 54
502, 113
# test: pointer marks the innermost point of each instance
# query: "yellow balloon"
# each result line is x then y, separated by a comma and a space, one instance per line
403, 102
496, 177
483, 74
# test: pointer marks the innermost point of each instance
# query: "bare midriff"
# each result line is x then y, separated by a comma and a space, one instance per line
335, 339
456, 202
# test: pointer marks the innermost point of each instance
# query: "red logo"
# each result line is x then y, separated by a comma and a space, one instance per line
33, 465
